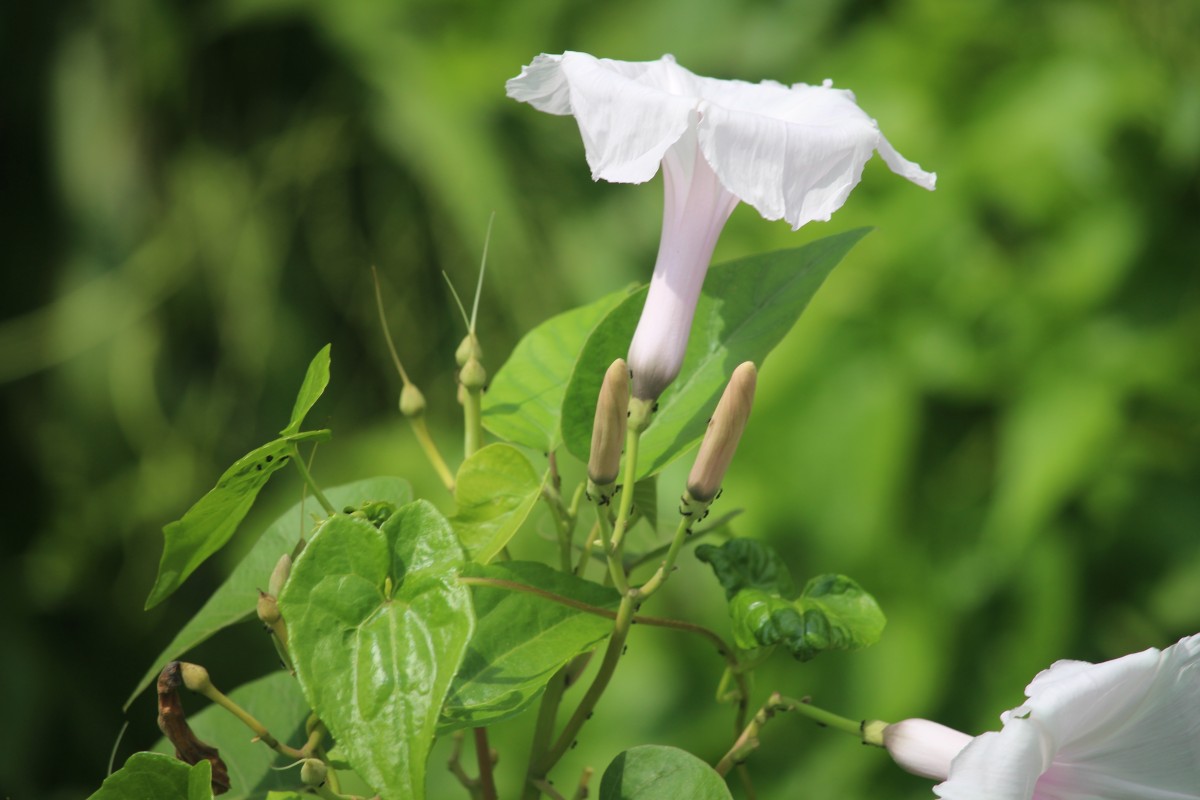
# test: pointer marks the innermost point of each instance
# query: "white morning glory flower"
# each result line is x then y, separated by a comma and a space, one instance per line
793, 153
1126, 729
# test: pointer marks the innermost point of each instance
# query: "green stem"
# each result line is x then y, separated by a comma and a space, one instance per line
748, 740
543, 731
260, 730
826, 718
632, 438
616, 645
430, 448
668, 565
615, 568
586, 555
472, 421
564, 523
309, 482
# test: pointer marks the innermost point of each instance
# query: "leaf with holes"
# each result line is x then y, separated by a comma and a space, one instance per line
236, 598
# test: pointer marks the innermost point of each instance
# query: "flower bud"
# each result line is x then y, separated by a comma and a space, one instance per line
313, 772
279, 575
195, 677
412, 401
473, 376
724, 431
468, 349
608, 432
924, 748
268, 609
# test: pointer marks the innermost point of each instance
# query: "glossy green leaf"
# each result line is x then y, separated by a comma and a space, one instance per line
274, 700
157, 776
315, 381
521, 640
832, 613
655, 772
524, 401
747, 564
746, 308
235, 599
495, 490
378, 625
210, 523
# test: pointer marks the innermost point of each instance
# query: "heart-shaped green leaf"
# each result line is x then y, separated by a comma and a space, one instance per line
495, 490
745, 309
235, 599
655, 772
524, 401
521, 640
378, 625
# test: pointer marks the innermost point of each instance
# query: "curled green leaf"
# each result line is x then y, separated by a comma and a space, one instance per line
747, 564
832, 613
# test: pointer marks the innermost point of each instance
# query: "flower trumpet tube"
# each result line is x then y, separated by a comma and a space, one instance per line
923, 747
1126, 729
793, 153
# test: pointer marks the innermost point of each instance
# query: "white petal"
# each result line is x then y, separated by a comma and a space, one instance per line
1127, 728
791, 153
542, 85
1002, 765
628, 113
905, 168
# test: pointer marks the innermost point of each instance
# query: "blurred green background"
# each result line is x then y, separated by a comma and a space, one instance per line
989, 415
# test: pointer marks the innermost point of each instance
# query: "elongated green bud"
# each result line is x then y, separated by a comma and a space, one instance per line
412, 401
279, 575
724, 431
608, 431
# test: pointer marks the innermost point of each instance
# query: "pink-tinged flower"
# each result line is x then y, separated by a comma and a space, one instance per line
1126, 729
793, 153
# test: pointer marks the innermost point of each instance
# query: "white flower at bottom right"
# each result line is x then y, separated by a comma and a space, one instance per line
1126, 729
